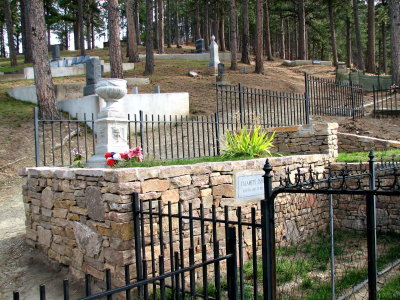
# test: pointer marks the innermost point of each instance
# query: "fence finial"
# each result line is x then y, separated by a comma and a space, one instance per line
267, 167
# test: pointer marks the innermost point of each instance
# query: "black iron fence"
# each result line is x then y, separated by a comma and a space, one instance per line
241, 105
216, 252
386, 102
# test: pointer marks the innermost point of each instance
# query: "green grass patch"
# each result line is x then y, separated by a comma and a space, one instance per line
7, 68
153, 163
363, 156
391, 290
288, 269
14, 113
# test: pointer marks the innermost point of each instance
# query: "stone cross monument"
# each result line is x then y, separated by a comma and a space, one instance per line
111, 127
214, 58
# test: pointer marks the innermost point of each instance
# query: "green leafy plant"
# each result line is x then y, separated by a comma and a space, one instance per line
253, 143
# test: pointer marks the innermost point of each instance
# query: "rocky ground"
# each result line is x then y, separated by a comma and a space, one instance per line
21, 267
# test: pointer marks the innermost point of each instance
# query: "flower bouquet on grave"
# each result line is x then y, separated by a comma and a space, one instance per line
78, 156
113, 159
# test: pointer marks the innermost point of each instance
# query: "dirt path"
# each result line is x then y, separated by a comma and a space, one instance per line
21, 267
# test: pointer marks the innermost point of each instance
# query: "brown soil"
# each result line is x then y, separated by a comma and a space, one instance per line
18, 261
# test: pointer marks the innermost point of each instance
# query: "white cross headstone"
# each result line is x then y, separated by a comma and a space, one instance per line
214, 58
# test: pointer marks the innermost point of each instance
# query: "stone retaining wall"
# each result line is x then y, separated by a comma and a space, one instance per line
350, 210
82, 218
357, 143
306, 139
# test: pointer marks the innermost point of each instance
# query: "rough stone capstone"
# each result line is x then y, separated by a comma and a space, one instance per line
94, 203
88, 241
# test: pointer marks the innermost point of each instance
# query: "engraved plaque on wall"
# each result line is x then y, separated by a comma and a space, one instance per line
249, 186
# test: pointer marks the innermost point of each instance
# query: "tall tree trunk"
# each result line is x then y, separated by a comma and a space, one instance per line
114, 40
197, 34
384, 58
222, 33
370, 65
301, 30
215, 23
169, 29
349, 51
28, 32
132, 45
88, 39
267, 37
177, 24
161, 27
360, 55
233, 37
207, 28
41, 65
333, 33
394, 12
155, 24
259, 38
136, 14
23, 26
80, 24
2, 43
149, 67
282, 39
246, 33
10, 34
92, 35
76, 35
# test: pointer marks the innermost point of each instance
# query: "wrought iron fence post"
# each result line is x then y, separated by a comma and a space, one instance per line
353, 112
268, 236
36, 128
374, 97
306, 98
141, 126
231, 263
371, 231
241, 104
217, 132
136, 236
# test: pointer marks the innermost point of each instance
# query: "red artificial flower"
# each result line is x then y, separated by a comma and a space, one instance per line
110, 162
107, 155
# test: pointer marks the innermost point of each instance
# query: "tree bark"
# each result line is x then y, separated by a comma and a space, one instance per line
76, 35
80, 24
177, 24
259, 38
136, 14
132, 45
221, 34
2, 43
301, 30
10, 34
246, 33
370, 65
114, 40
197, 34
161, 27
333, 33
149, 66
394, 13
384, 56
41, 65
233, 37
28, 32
349, 52
267, 37
360, 56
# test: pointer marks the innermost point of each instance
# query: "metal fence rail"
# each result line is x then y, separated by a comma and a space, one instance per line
246, 106
327, 97
386, 102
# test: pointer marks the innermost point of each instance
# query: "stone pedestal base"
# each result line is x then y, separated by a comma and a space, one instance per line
213, 70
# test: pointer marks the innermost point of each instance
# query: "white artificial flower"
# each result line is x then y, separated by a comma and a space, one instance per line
117, 156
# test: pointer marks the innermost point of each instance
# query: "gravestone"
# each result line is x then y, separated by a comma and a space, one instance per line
214, 57
135, 90
79, 60
221, 77
74, 60
65, 63
244, 70
249, 186
55, 51
341, 67
157, 89
93, 75
200, 46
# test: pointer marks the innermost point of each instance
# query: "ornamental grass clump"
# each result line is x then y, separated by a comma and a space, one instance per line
252, 143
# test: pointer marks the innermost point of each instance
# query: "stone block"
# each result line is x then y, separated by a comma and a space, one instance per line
155, 185
94, 203
189, 194
44, 237
225, 190
181, 181
89, 242
47, 198
200, 180
170, 196
174, 171
216, 180
123, 231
